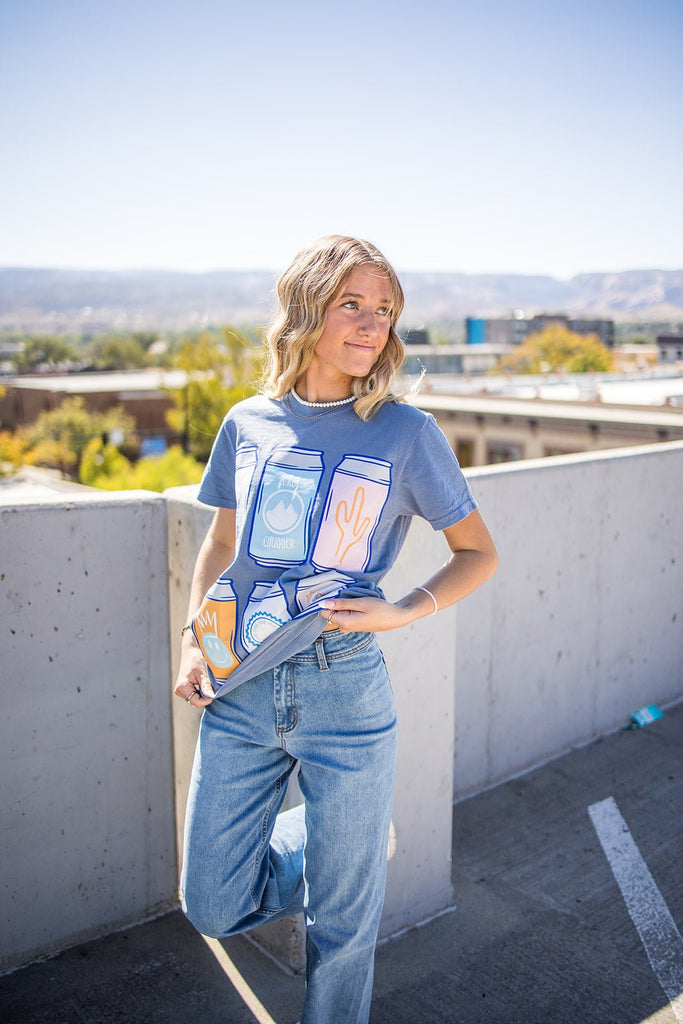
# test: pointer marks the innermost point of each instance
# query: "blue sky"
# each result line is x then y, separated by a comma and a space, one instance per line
484, 136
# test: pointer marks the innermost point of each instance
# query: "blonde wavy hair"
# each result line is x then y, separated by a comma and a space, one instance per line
305, 291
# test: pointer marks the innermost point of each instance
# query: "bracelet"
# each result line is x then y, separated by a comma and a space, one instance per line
184, 630
436, 607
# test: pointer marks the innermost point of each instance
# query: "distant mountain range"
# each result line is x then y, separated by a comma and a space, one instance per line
81, 301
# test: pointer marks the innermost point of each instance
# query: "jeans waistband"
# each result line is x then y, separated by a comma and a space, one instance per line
332, 645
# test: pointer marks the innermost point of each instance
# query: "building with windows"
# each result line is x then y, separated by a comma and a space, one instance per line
515, 330
670, 348
488, 429
143, 394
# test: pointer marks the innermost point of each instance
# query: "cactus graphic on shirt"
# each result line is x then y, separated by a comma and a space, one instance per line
352, 524
358, 493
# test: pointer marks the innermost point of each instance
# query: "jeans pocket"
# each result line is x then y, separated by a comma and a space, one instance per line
360, 687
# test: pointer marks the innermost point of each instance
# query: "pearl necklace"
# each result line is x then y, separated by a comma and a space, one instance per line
323, 405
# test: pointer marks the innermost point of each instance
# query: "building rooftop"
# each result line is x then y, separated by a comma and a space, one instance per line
540, 933
81, 383
657, 387
503, 405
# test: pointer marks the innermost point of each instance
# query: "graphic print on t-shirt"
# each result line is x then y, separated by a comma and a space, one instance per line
287, 490
313, 590
358, 493
214, 626
245, 464
266, 611
280, 535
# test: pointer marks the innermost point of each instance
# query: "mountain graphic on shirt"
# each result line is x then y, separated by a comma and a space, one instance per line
283, 511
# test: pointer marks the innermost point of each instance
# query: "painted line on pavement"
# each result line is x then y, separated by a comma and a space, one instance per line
649, 913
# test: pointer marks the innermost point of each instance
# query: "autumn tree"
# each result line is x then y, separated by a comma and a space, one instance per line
12, 450
104, 466
218, 373
556, 349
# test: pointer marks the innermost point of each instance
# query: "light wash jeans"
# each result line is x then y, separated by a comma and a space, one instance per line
330, 708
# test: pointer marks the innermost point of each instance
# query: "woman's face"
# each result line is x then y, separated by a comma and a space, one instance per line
356, 330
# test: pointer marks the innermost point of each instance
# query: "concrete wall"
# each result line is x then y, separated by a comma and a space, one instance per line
421, 663
86, 780
582, 623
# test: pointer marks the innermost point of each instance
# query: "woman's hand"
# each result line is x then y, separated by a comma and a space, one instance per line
193, 676
364, 614
473, 560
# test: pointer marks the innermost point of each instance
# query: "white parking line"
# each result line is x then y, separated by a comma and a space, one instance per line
649, 913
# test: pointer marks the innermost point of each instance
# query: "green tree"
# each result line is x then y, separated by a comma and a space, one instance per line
218, 374
119, 352
146, 338
46, 350
556, 348
59, 437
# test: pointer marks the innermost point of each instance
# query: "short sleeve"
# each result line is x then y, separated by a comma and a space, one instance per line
217, 487
435, 487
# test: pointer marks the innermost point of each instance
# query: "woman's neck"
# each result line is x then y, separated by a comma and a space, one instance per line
312, 388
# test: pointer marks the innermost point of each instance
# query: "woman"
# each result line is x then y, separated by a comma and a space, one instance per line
315, 483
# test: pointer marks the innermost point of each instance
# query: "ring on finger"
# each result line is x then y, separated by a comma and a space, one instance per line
188, 700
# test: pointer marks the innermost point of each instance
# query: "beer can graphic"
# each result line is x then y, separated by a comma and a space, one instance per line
358, 493
266, 611
245, 464
314, 589
214, 628
287, 490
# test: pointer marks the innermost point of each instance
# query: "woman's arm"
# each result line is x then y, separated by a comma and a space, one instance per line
215, 555
473, 560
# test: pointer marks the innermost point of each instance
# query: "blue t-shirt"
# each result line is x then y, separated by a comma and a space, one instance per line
323, 502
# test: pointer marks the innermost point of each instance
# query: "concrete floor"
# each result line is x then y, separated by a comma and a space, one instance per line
541, 933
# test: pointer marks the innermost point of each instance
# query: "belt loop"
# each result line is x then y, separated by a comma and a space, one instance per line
320, 654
